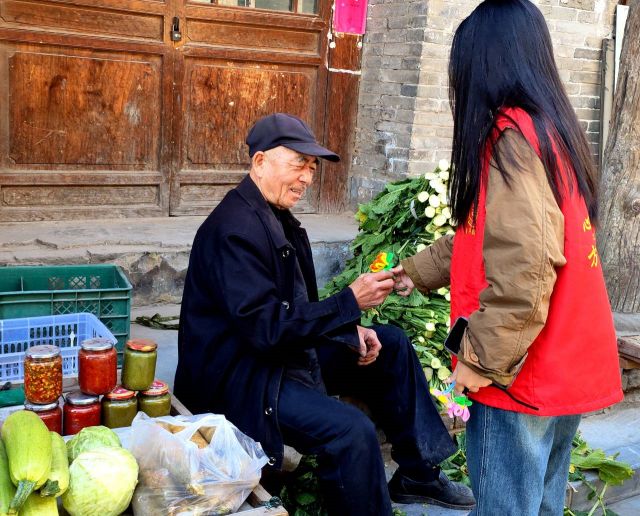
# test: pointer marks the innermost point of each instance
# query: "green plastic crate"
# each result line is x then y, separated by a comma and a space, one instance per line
102, 290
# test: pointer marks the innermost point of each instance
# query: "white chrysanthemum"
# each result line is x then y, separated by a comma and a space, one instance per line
423, 196
439, 220
443, 164
435, 182
440, 188
446, 211
420, 247
430, 211
430, 175
434, 201
444, 175
443, 196
430, 327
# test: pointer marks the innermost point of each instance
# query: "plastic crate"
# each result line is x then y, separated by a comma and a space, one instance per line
64, 331
102, 290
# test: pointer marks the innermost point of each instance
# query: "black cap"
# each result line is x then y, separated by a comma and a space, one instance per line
289, 131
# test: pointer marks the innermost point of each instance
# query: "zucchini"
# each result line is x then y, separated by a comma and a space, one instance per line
37, 505
28, 445
58, 481
7, 489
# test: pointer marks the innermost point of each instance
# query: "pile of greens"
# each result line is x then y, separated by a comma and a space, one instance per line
403, 219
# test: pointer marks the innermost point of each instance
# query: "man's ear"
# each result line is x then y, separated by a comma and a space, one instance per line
257, 161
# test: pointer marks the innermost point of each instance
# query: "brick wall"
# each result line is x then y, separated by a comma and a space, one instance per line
404, 122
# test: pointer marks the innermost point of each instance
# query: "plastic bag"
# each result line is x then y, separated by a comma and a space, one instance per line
192, 465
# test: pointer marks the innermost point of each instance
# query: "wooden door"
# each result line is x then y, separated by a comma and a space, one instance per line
123, 108
239, 60
85, 108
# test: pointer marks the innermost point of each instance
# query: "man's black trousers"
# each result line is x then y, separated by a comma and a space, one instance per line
394, 387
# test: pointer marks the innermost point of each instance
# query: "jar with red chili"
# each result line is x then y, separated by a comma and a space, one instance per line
97, 366
42, 374
51, 414
80, 410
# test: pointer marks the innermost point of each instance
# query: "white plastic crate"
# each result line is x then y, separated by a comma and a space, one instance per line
64, 331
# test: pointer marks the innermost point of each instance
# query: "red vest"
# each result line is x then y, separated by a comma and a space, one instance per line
572, 367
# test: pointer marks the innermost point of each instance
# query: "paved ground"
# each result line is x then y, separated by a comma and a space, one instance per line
616, 431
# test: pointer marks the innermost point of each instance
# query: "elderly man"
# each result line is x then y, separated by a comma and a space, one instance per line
257, 345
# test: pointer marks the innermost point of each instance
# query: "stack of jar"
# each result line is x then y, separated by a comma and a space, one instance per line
97, 377
120, 406
43, 384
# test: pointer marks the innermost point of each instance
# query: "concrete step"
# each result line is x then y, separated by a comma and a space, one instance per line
154, 252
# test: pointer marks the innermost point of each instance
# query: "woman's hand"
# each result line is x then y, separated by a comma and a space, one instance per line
467, 378
403, 285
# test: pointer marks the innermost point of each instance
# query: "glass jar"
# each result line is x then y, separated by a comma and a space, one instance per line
155, 401
42, 374
80, 410
119, 407
97, 366
51, 414
139, 367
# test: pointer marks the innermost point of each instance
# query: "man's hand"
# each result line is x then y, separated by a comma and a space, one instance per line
371, 289
465, 377
369, 346
403, 285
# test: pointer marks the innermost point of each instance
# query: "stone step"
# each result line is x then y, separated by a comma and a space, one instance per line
153, 252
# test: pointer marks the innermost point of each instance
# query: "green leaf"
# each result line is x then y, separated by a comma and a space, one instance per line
305, 498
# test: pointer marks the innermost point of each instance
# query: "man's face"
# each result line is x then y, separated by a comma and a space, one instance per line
283, 175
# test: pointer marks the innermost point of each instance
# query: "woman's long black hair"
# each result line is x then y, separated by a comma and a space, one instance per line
502, 57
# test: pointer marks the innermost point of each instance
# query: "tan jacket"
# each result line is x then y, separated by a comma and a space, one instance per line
522, 247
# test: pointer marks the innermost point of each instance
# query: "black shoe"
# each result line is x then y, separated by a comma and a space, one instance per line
441, 491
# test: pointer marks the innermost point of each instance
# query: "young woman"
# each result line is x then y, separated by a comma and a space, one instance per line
540, 346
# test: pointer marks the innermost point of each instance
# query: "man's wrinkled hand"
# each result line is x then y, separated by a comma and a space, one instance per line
371, 289
402, 283
370, 346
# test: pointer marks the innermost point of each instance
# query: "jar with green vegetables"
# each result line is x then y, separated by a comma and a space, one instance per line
155, 401
139, 366
119, 407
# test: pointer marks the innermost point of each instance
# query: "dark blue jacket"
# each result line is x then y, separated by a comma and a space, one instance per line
239, 321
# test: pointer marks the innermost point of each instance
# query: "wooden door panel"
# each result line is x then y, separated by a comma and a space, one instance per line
214, 32
234, 66
97, 111
85, 110
92, 20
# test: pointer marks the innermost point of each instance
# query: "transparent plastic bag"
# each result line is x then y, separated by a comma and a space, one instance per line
192, 465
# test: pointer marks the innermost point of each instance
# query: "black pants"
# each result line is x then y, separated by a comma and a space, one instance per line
344, 438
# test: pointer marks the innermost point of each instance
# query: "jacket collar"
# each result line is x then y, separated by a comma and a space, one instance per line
249, 191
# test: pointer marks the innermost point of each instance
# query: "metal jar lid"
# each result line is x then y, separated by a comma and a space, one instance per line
80, 398
144, 345
158, 388
35, 407
120, 393
96, 344
41, 352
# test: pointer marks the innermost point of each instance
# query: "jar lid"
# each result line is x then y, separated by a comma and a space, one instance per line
158, 388
142, 345
46, 351
80, 398
96, 344
35, 407
120, 393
